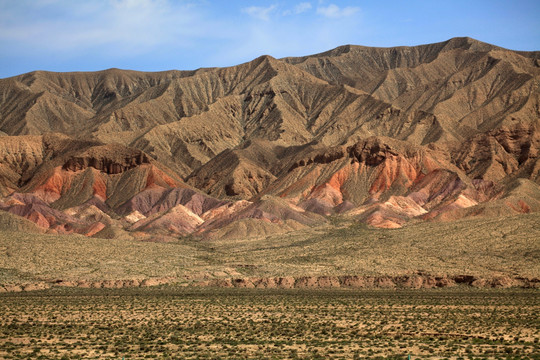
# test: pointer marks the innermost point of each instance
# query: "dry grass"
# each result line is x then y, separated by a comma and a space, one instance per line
265, 324
27, 256
482, 247
176, 322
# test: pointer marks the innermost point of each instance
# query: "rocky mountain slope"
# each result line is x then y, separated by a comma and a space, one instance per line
386, 136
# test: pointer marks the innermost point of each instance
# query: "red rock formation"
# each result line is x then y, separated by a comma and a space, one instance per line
433, 132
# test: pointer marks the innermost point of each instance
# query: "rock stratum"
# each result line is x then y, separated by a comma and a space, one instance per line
416, 281
382, 136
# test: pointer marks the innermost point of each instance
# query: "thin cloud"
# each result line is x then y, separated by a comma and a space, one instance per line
302, 7
298, 9
259, 12
335, 12
121, 25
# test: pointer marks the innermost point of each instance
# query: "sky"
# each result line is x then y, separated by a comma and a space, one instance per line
156, 35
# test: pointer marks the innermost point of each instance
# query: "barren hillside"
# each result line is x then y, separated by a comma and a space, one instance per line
388, 137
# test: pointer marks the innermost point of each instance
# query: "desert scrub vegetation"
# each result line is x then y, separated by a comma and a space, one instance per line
171, 322
480, 247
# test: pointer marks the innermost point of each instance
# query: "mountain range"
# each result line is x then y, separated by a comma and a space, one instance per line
383, 136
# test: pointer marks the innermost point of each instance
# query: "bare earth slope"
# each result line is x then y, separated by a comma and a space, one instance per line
420, 255
384, 136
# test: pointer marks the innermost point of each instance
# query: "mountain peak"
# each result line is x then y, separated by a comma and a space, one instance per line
468, 43
390, 133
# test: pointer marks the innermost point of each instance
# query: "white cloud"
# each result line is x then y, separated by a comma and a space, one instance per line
259, 12
298, 9
334, 11
302, 7
134, 26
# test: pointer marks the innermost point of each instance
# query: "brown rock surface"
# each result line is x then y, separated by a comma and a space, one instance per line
386, 136
415, 281
372, 282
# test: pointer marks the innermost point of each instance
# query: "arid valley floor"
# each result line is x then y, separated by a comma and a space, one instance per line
200, 313
186, 323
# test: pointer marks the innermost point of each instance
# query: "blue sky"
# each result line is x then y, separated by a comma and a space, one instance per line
153, 35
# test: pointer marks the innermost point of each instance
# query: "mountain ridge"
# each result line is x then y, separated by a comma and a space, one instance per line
386, 136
